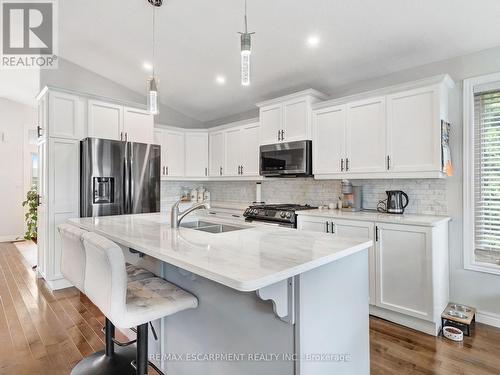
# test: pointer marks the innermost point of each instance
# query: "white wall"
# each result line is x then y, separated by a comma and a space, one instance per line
74, 77
13, 119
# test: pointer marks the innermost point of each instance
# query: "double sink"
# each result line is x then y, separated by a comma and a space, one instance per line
206, 226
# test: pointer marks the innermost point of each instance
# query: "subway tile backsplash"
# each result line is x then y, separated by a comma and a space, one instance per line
427, 196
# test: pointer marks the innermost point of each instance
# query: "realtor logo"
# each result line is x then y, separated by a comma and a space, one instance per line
28, 34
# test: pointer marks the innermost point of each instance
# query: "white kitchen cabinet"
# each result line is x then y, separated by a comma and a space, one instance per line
216, 153
271, 124
233, 147
414, 128
394, 133
404, 264
159, 139
344, 228
288, 118
138, 125
409, 266
105, 120
66, 115
43, 203
196, 154
174, 153
366, 136
329, 133
250, 149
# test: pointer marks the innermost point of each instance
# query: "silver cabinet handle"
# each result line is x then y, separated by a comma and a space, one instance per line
241, 169
279, 133
163, 170
282, 135
342, 165
327, 227
126, 136
220, 171
333, 227
39, 131
388, 162
166, 171
206, 171
346, 164
121, 136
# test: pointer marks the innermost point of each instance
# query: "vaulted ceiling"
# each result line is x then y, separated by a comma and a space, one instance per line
197, 40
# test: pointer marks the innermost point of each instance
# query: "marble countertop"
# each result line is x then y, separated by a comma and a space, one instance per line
245, 260
408, 219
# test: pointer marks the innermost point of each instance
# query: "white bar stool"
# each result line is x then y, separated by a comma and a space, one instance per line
129, 303
73, 266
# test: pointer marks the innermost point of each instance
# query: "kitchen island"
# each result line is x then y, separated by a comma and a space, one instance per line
272, 300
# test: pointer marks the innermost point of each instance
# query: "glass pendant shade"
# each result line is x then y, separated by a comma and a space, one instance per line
153, 101
246, 51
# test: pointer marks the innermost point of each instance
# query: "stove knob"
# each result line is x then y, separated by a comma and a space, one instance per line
288, 215
282, 214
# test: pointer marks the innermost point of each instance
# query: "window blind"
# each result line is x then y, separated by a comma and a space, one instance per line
487, 177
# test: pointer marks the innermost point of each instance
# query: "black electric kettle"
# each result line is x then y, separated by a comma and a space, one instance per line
394, 202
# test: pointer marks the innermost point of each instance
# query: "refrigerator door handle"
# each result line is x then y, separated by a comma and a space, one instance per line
126, 181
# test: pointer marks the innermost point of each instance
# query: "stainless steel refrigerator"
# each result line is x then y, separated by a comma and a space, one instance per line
118, 177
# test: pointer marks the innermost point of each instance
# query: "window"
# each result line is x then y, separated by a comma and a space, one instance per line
482, 173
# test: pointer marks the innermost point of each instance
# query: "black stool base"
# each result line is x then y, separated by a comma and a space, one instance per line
99, 364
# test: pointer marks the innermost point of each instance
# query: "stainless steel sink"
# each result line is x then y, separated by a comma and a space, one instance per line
220, 228
206, 226
196, 224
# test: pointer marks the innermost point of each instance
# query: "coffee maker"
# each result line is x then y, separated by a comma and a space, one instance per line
351, 197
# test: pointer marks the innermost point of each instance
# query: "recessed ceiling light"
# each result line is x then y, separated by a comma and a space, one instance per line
220, 79
313, 41
147, 66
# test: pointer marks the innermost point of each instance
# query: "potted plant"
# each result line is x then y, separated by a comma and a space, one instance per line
31, 215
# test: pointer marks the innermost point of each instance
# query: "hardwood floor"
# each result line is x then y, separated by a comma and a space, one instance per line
44, 332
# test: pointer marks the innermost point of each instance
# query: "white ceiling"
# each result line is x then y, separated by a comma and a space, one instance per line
198, 39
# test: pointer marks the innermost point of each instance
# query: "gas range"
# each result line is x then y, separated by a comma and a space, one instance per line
277, 214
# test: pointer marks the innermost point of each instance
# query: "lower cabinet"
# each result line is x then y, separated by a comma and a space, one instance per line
404, 264
409, 268
345, 228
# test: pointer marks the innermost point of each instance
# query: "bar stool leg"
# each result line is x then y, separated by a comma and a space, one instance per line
110, 335
142, 349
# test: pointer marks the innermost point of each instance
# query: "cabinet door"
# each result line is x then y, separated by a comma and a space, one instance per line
360, 229
105, 120
329, 127
414, 131
366, 136
174, 153
250, 149
271, 123
404, 266
196, 154
313, 223
66, 117
233, 152
159, 139
297, 121
138, 125
216, 153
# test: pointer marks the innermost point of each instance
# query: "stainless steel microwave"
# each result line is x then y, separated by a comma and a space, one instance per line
286, 159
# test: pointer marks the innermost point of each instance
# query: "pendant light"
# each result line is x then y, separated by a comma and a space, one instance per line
246, 51
153, 99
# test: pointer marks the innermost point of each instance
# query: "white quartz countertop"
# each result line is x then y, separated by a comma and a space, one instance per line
407, 219
245, 260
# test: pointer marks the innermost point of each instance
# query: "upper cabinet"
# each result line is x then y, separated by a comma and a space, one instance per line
414, 126
138, 125
287, 118
66, 115
172, 151
114, 121
396, 135
216, 163
105, 120
366, 136
196, 154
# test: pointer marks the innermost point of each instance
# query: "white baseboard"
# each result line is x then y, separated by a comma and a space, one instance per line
488, 318
58, 284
